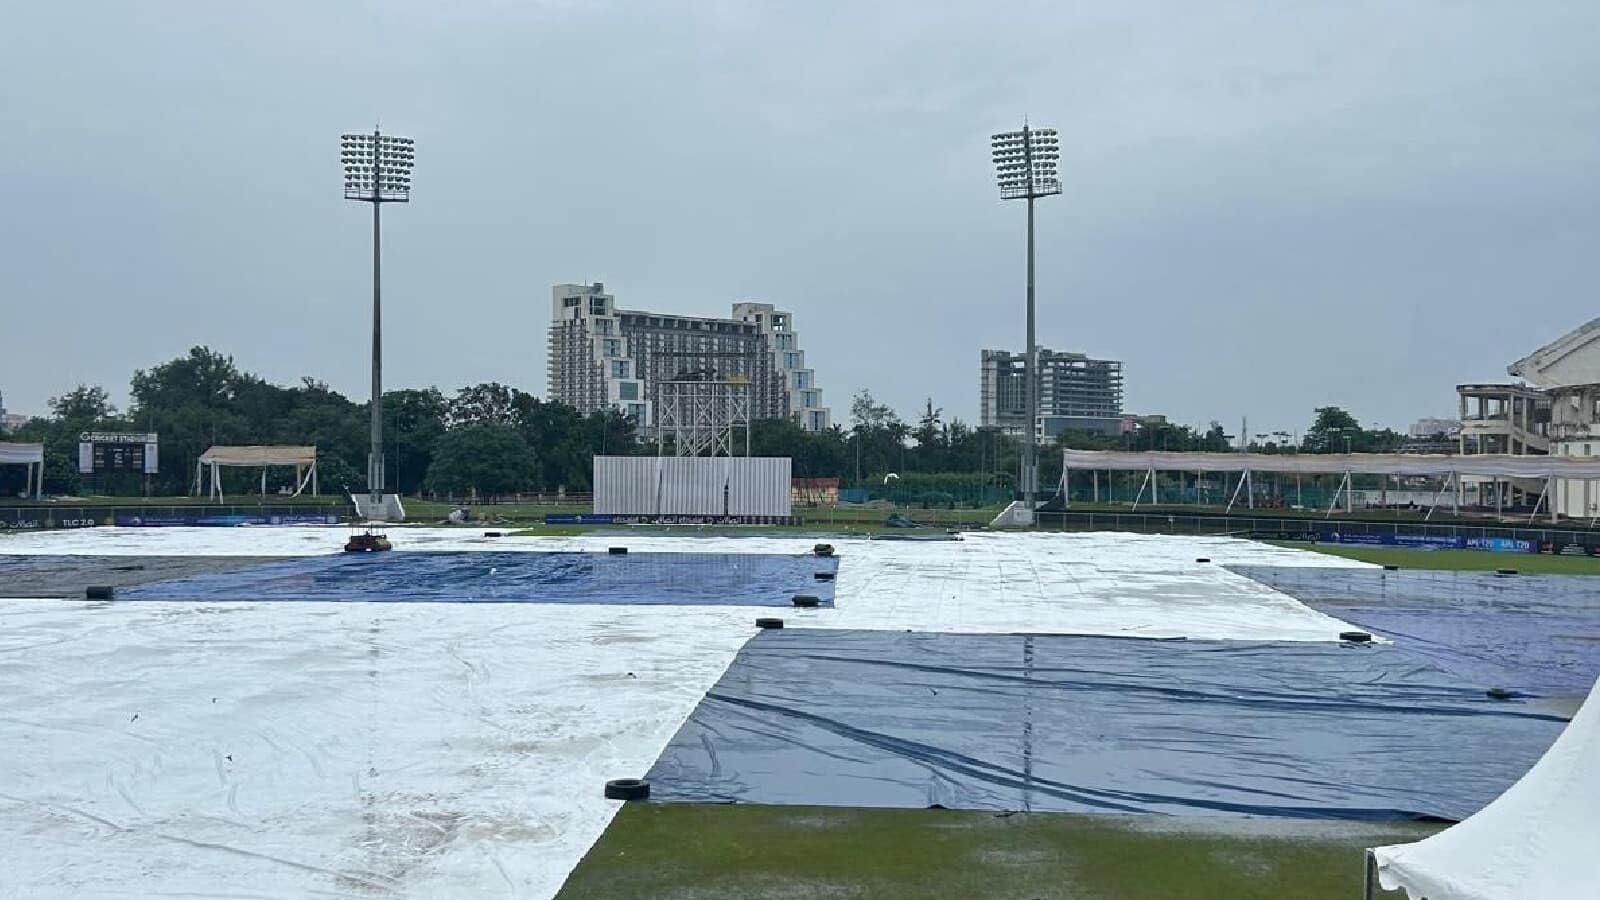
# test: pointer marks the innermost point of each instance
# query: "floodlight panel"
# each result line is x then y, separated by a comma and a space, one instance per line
377, 167
1025, 162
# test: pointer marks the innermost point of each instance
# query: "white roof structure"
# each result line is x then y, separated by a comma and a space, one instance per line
259, 456
21, 454
1490, 464
304, 460
30, 455
1538, 839
1573, 358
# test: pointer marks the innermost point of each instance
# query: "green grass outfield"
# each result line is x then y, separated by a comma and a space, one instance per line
1458, 560
684, 851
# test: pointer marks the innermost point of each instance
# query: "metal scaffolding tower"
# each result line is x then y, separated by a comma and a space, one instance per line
701, 416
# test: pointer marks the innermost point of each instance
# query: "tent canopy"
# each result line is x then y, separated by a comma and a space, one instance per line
259, 456
1494, 465
304, 460
30, 455
1537, 840
21, 454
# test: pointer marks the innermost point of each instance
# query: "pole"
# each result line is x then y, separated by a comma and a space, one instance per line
1030, 465
375, 461
1137, 497
858, 459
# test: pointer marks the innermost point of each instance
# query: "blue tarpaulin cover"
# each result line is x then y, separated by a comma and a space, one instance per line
1083, 724
745, 579
1533, 633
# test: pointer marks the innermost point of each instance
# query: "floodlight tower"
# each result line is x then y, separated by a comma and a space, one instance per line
377, 170
1025, 166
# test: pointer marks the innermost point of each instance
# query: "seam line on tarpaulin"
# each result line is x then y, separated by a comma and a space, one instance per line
1257, 699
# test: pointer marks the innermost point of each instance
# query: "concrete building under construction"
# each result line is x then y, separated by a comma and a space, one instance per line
1076, 393
601, 356
1553, 409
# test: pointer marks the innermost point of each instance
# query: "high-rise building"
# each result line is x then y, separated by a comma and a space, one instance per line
1076, 393
603, 356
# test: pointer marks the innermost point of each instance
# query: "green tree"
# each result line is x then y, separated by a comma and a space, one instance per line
1330, 431
414, 421
931, 438
813, 454
204, 377
610, 433
559, 437
1215, 440
877, 438
336, 476
869, 413
485, 458
490, 403
85, 405
84, 408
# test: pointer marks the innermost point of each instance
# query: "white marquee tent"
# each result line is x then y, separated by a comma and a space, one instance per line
30, 455
1541, 838
304, 460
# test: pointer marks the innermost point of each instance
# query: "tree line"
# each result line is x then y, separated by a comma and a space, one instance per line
494, 439
488, 437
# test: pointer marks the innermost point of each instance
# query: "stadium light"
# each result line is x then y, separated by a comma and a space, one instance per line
1025, 166
377, 170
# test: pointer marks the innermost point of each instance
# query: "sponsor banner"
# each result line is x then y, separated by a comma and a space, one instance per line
1307, 536
1341, 538
1417, 541
1503, 545
1437, 542
36, 523
223, 520
579, 519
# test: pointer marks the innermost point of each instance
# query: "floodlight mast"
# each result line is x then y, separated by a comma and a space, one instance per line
377, 170
1025, 167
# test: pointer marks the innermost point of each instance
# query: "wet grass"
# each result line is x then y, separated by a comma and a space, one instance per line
723, 852
1459, 560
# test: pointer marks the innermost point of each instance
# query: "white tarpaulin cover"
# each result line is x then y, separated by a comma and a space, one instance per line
1540, 839
21, 454
1488, 464
259, 456
278, 749
331, 749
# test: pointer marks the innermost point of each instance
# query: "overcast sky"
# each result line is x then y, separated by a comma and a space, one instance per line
1268, 206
